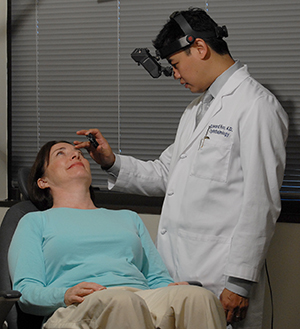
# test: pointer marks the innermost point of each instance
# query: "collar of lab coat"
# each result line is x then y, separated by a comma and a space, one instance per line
186, 134
216, 105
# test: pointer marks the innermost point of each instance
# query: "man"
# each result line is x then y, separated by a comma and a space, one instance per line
221, 176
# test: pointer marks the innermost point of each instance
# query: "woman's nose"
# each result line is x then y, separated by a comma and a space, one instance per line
75, 155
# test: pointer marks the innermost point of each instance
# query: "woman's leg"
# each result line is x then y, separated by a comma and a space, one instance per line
109, 309
184, 307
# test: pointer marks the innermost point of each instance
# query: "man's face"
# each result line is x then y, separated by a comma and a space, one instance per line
189, 68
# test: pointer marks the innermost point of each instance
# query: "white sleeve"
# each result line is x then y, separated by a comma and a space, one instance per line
143, 177
263, 137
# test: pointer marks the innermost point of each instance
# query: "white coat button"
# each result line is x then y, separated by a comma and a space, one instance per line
183, 156
163, 231
170, 193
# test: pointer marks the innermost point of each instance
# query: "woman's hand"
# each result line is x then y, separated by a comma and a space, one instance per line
182, 283
76, 294
235, 306
103, 155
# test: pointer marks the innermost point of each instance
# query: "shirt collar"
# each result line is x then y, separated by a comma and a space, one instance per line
221, 80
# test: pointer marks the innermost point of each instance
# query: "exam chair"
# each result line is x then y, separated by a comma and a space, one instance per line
9, 309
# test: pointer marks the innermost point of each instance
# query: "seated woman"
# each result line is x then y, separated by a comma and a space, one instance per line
87, 267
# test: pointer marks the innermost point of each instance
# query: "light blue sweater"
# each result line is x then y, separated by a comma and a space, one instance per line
56, 249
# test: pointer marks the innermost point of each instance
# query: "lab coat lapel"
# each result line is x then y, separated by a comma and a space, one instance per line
186, 134
216, 105
201, 129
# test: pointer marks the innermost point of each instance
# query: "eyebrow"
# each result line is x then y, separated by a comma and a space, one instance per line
172, 62
59, 149
64, 148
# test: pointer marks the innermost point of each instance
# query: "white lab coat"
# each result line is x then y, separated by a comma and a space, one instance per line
221, 184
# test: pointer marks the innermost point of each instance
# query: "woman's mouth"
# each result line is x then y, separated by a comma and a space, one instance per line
76, 164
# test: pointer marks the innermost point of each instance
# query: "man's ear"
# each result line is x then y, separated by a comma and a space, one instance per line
202, 48
42, 183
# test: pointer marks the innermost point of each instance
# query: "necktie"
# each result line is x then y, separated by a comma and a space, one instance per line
208, 97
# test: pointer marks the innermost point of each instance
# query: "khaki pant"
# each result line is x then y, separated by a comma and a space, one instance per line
180, 307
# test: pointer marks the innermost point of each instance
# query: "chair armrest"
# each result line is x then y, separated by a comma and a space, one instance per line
195, 283
10, 295
7, 300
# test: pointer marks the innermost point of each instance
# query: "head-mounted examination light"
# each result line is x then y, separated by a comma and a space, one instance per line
142, 55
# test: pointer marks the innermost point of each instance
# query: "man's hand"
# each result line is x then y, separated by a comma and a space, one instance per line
182, 283
235, 306
76, 294
103, 155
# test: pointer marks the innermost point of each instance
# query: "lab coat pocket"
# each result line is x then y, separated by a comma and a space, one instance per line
212, 160
203, 257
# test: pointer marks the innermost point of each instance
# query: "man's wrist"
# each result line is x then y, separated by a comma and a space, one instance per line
239, 286
114, 169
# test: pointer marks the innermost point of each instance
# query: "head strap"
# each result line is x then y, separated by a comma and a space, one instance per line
190, 36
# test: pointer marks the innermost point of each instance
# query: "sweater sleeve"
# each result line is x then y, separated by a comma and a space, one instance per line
153, 268
27, 269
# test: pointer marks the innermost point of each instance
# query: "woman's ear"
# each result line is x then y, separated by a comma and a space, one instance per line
42, 183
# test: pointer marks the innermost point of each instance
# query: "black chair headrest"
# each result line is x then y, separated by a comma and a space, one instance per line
23, 174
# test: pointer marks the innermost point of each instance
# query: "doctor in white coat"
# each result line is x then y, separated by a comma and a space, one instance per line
220, 177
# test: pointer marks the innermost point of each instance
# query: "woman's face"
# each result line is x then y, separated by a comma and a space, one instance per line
65, 165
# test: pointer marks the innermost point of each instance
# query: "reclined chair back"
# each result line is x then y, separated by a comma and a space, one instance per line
16, 319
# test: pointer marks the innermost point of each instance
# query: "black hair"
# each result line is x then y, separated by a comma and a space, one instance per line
42, 198
200, 21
